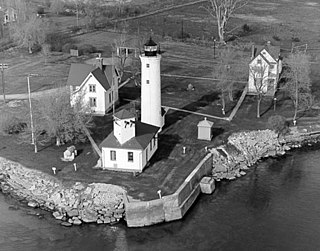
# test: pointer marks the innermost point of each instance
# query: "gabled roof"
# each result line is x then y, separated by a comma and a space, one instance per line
124, 114
205, 123
144, 135
79, 72
274, 51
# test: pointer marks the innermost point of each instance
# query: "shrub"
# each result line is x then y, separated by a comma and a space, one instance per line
87, 49
75, 29
36, 48
66, 48
276, 38
278, 123
246, 28
295, 39
10, 124
57, 40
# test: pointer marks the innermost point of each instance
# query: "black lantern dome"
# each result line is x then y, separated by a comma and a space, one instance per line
150, 48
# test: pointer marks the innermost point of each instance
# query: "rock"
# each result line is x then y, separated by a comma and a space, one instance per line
2, 176
70, 221
106, 220
77, 221
73, 212
117, 216
57, 215
66, 224
119, 211
78, 186
99, 221
89, 216
33, 204
242, 173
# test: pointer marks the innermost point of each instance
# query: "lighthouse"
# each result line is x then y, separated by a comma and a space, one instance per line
151, 112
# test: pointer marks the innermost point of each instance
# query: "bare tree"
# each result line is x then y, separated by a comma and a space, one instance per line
55, 118
297, 83
30, 33
221, 11
259, 75
57, 6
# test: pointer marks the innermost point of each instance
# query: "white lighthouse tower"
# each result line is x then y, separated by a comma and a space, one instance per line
151, 112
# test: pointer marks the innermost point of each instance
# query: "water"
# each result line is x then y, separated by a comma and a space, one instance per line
276, 206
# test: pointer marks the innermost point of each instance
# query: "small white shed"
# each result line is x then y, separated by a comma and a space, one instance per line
205, 129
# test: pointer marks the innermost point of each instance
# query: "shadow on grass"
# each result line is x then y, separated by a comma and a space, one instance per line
173, 117
167, 143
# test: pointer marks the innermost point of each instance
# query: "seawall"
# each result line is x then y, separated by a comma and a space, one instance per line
170, 207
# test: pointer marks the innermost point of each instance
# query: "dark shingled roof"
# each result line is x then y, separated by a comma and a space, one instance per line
274, 51
79, 72
101, 77
144, 134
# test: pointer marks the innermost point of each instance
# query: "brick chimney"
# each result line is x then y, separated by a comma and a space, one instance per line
99, 61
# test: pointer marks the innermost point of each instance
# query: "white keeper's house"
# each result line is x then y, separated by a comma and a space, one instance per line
96, 84
132, 143
264, 69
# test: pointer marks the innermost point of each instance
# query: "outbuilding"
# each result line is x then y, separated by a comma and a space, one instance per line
205, 129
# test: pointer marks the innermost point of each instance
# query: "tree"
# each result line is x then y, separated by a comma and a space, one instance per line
55, 118
259, 75
221, 11
297, 81
230, 69
57, 6
32, 32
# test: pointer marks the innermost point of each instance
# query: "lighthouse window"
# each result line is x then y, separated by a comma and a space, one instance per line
148, 65
148, 82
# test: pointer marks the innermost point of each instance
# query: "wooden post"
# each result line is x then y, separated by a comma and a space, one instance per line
3, 66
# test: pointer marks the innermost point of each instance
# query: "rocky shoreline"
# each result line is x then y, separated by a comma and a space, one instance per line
80, 203
244, 149
103, 203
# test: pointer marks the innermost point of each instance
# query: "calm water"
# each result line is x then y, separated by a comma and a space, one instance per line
275, 207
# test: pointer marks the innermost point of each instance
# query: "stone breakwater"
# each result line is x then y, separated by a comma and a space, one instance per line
244, 149
96, 202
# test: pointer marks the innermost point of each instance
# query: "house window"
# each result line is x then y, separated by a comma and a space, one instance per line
110, 97
148, 82
93, 102
148, 65
154, 141
92, 88
113, 155
259, 61
271, 66
151, 145
130, 156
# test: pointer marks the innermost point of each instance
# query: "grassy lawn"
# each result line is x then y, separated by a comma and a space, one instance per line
168, 167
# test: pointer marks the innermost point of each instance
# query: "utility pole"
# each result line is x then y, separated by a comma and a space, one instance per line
3, 66
31, 115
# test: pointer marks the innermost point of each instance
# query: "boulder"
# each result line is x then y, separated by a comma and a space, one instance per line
66, 224
73, 212
57, 215
33, 204
76, 221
